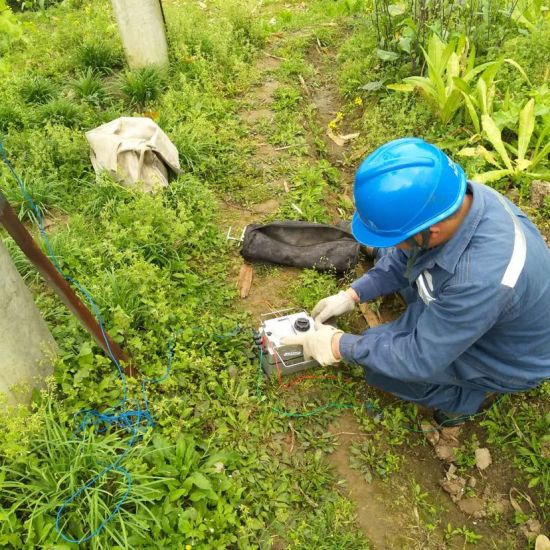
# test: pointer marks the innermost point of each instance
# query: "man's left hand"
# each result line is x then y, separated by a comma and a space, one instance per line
317, 344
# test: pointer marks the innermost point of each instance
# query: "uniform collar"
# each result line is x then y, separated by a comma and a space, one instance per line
448, 254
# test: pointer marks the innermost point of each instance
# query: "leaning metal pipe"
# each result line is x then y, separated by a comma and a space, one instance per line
26, 243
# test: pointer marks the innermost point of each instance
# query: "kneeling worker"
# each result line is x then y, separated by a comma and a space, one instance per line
474, 271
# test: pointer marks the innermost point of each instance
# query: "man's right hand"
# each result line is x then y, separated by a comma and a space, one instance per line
335, 305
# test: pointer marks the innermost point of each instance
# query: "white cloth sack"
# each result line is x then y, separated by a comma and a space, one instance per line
133, 149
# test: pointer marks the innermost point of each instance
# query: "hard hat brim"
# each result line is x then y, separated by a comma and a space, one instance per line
366, 237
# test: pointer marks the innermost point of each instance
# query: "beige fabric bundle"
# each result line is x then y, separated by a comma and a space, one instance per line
133, 149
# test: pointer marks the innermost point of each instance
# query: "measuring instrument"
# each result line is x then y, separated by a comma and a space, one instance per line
278, 358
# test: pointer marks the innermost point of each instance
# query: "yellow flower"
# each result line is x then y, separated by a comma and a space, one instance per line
187, 547
358, 101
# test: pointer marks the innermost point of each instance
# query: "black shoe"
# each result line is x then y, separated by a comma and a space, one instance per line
448, 419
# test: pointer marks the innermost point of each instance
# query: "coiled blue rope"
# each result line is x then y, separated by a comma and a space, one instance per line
134, 419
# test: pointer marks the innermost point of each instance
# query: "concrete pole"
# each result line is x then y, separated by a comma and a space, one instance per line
27, 348
141, 26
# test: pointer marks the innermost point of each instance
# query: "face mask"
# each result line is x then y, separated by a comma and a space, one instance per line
416, 248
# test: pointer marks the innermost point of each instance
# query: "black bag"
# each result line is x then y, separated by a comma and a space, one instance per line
301, 244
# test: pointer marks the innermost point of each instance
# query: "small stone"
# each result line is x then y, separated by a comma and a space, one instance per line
539, 191
501, 506
454, 487
472, 482
430, 433
445, 452
472, 506
531, 528
451, 472
450, 435
483, 458
513, 194
542, 543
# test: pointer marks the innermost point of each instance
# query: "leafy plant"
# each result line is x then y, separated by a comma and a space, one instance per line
450, 67
99, 56
90, 87
530, 14
470, 537
142, 85
61, 111
522, 161
10, 117
10, 30
33, 5
38, 90
370, 458
311, 286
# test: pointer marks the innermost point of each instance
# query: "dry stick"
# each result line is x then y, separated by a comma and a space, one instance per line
288, 147
292, 437
275, 56
304, 85
372, 318
310, 501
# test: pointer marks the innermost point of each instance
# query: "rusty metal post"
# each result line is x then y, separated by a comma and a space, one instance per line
26, 243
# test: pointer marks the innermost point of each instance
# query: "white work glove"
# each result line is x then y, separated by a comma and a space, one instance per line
316, 344
334, 305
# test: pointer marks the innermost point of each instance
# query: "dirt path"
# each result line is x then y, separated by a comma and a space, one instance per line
382, 524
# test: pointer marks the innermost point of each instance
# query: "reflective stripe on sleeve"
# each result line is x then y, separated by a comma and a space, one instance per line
519, 253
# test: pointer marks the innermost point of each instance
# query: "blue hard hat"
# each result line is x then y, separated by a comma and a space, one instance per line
403, 187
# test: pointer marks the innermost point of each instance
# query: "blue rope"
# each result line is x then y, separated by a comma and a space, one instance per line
134, 419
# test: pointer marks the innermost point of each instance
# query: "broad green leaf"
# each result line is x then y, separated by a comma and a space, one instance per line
401, 87
488, 156
397, 9
372, 86
522, 165
454, 101
519, 68
178, 493
471, 58
533, 482
481, 88
493, 135
405, 43
386, 55
199, 480
479, 151
543, 154
447, 52
453, 68
467, 152
479, 69
526, 127
472, 112
490, 72
461, 85
437, 82
435, 51
422, 83
492, 175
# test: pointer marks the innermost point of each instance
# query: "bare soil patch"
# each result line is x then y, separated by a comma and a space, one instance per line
382, 525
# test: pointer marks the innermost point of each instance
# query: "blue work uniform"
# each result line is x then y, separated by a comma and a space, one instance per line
478, 315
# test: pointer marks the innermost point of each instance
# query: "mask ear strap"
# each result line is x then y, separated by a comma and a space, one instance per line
425, 233
416, 248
